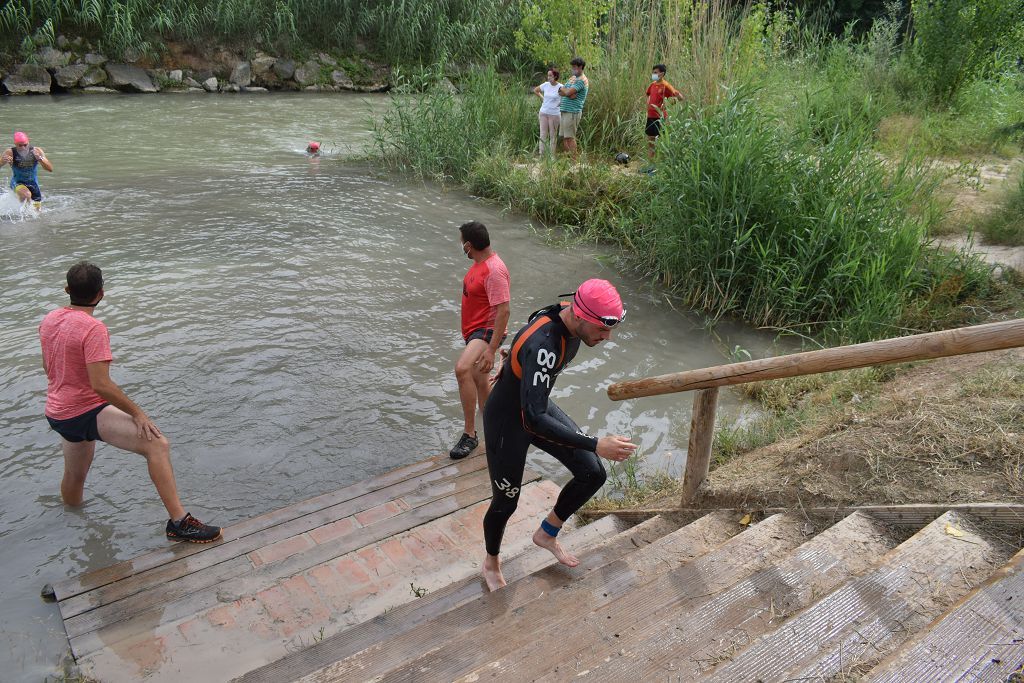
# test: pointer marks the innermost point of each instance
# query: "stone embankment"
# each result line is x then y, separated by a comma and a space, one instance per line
71, 67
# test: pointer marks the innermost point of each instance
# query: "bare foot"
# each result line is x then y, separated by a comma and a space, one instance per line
541, 538
492, 573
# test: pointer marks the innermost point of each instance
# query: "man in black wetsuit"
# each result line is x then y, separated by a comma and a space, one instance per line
518, 414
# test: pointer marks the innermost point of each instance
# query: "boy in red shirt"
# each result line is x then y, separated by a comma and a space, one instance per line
657, 92
84, 405
485, 312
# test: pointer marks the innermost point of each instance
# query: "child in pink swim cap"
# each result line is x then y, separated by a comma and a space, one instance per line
313, 149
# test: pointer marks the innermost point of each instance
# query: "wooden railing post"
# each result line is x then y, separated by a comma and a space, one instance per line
702, 435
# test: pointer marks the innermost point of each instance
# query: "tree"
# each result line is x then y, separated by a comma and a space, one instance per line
552, 31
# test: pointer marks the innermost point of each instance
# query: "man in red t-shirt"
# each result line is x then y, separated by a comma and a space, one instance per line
485, 312
84, 405
657, 92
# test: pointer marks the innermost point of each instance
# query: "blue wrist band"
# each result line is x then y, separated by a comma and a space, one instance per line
549, 528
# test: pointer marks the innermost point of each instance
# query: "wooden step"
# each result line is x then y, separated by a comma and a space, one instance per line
680, 643
979, 639
247, 574
387, 626
846, 632
488, 621
243, 625
115, 572
346, 516
564, 647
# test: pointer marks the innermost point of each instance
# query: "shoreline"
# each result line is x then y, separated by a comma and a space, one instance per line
73, 68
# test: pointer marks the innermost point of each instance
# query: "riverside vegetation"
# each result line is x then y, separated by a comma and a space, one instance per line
797, 189
779, 196
797, 185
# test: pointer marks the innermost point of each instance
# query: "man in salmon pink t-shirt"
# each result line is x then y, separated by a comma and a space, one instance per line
84, 405
485, 313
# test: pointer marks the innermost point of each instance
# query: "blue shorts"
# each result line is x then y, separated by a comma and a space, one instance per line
79, 428
37, 196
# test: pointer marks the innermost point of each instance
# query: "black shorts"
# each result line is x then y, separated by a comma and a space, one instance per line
483, 333
653, 128
79, 428
37, 196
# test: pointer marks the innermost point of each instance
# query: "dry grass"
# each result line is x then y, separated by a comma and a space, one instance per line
951, 431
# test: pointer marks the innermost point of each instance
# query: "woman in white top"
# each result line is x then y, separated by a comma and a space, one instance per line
549, 116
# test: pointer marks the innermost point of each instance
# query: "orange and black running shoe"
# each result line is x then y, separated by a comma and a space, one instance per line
192, 530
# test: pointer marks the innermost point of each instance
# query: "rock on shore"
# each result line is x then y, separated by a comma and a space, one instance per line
130, 78
75, 67
28, 78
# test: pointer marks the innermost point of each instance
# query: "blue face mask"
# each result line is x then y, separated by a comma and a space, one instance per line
655, 77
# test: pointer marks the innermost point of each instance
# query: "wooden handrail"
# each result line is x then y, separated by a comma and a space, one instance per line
990, 337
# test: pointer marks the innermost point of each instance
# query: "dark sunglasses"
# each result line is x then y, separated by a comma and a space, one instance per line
606, 320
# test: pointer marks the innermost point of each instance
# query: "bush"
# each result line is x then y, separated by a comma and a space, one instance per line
781, 230
956, 41
1005, 223
440, 135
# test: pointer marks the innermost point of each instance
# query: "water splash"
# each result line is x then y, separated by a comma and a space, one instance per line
13, 210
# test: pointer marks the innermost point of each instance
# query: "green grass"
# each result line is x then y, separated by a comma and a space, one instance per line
1005, 223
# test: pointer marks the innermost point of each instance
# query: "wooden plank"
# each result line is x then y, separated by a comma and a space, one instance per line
586, 541
115, 572
702, 436
569, 644
500, 619
109, 623
411, 491
866, 618
981, 638
234, 568
991, 337
1009, 515
637, 515
686, 639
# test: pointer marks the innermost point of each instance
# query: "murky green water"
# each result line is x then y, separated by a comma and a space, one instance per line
290, 325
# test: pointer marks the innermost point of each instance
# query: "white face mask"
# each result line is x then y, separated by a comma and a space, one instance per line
655, 77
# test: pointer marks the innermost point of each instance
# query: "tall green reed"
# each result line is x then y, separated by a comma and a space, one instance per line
401, 30
440, 134
784, 231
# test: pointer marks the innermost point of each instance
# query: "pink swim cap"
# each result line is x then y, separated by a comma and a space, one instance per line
598, 301
20, 138
314, 146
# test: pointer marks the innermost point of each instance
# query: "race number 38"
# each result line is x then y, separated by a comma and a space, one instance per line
545, 359
506, 486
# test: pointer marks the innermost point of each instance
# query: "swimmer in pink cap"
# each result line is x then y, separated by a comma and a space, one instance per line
519, 414
598, 303
313, 149
25, 160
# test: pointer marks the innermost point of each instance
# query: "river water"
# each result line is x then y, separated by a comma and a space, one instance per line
290, 324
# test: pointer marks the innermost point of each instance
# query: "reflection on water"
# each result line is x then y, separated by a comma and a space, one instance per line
291, 324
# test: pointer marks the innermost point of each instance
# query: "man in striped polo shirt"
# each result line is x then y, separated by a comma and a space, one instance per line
574, 95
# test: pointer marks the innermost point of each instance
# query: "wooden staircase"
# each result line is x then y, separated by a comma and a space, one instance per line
379, 581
